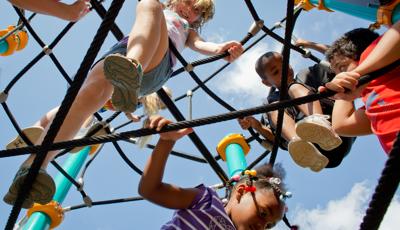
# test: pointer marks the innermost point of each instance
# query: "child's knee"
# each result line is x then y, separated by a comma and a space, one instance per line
297, 89
153, 6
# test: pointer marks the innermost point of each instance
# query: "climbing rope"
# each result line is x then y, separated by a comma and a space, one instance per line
108, 24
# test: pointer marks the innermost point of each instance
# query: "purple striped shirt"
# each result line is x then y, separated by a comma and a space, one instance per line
206, 212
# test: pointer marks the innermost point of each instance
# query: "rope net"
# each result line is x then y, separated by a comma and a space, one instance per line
257, 32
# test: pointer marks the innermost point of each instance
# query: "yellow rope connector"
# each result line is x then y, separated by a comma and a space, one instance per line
232, 139
384, 13
52, 209
16, 41
321, 6
305, 4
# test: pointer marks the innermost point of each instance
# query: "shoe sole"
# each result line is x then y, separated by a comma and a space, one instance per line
307, 156
42, 191
318, 134
32, 133
123, 75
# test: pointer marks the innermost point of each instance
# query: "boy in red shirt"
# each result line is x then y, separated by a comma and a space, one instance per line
381, 97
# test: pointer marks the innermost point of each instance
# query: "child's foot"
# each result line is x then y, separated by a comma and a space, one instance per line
306, 155
102, 131
317, 129
125, 75
42, 190
32, 133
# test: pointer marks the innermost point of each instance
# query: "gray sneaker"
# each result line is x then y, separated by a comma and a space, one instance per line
306, 155
317, 129
42, 191
84, 131
125, 75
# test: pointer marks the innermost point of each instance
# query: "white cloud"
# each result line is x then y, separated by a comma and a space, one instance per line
345, 213
241, 83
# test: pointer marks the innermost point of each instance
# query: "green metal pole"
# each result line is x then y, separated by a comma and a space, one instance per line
74, 163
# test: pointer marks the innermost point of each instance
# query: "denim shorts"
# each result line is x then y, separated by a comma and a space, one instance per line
152, 80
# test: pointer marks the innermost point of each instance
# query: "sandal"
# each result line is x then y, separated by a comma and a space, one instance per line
42, 190
125, 75
32, 133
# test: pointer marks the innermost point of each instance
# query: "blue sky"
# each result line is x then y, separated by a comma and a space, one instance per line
332, 199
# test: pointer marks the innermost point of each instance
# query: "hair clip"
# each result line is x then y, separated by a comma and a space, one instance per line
252, 173
285, 195
235, 178
250, 188
274, 180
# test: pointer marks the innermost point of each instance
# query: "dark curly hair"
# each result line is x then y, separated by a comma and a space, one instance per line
351, 44
267, 171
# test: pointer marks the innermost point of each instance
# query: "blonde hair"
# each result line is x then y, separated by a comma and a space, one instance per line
152, 104
206, 8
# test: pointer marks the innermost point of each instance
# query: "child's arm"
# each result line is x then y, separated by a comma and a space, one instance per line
248, 122
346, 121
312, 45
55, 8
196, 43
151, 186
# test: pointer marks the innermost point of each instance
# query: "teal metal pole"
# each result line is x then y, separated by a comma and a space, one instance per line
357, 8
73, 164
235, 159
3, 47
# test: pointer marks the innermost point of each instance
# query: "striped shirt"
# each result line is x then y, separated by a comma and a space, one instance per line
206, 212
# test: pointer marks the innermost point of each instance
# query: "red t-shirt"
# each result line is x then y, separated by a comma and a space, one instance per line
382, 103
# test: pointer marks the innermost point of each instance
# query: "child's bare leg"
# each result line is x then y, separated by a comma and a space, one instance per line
93, 94
314, 127
146, 48
45, 120
148, 39
288, 127
298, 90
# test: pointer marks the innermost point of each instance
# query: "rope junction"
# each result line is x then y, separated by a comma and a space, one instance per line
385, 190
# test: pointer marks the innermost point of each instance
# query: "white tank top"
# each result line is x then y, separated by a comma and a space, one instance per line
178, 30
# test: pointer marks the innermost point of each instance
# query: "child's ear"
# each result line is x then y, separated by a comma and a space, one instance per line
240, 190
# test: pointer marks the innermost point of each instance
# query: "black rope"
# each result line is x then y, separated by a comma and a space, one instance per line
384, 191
97, 203
196, 122
101, 11
258, 160
20, 26
194, 89
283, 91
279, 38
61, 114
48, 145
193, 136
70, 178
204, 87
209, 59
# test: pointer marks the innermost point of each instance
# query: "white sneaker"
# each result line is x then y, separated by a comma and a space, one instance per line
306, 155
85, 129
32, 133
317, 129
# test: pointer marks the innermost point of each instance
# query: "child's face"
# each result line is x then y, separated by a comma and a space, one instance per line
186, 9
340, 63
273, 71
256, 211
